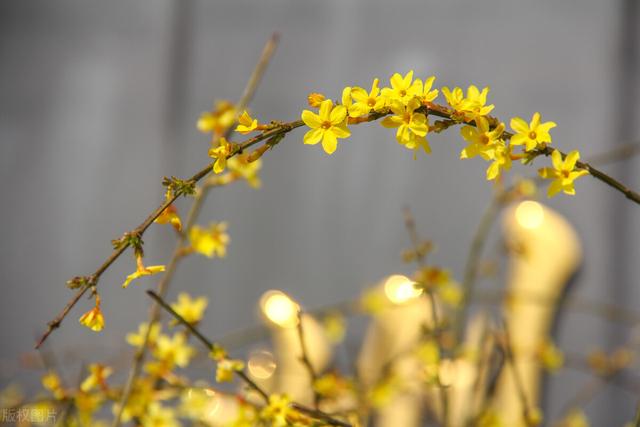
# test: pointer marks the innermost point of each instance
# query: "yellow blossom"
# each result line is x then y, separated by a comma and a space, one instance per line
366, 102
334, 326
219, 120
532, 135
425, 93
332, 385
451, 294
551, 357
246, 124
575, 418
221, 153
277, 411
170, 216
315, 99
431, 277
402, 89
501, 160
173, 351
159, 416
412, 126
140, 398
226, 368
142, 271
563, 173
137, 339
190, 309
482, 140
533, 417
52, 382
98, 374
240, 167
93, 319
327, 126
346, 99
473, 105
210, 242
490, 418
87, 404
373, 302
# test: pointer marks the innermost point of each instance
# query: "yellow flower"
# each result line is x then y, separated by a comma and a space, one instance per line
575, 418
334, 325
210, 242
220, 153
347, 101
425, 93
501, 160
563, 173
93, 319
366, 102
277, 411
315, 99
191, 310
52, 382
87, 404
450, 294
246, 124
412, 126
142, 271
532, 135
137, 339
173, 351
402, 89
551, 357
142, 395
226, 368
98, 374
170, 216
158, 416
473, 105
329, 125
219, 120
240, 167
482, 140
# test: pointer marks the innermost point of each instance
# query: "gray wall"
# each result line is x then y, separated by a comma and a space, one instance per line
98, 101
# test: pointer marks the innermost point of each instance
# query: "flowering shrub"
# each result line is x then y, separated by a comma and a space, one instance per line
157, 393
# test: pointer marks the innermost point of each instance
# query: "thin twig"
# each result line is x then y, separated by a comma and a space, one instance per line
199, 198
304, 358
242, 374
473, 261
282, 129
517, 379
410, 225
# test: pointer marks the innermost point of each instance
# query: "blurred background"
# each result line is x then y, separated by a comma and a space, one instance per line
99, 100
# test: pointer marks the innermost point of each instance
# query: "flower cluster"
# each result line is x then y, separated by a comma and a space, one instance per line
407, 103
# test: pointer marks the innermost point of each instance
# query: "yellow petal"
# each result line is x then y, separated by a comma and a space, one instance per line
338, 114
535, 121
359, 94
341, 130
556, 159
325, 109
519, 125
313, 136
554, 188
571, 159
329, 142
311, 119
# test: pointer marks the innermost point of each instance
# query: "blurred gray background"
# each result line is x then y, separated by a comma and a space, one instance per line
98, 101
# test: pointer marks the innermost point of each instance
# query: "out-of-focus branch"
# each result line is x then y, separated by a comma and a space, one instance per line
198, 201
315, 413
